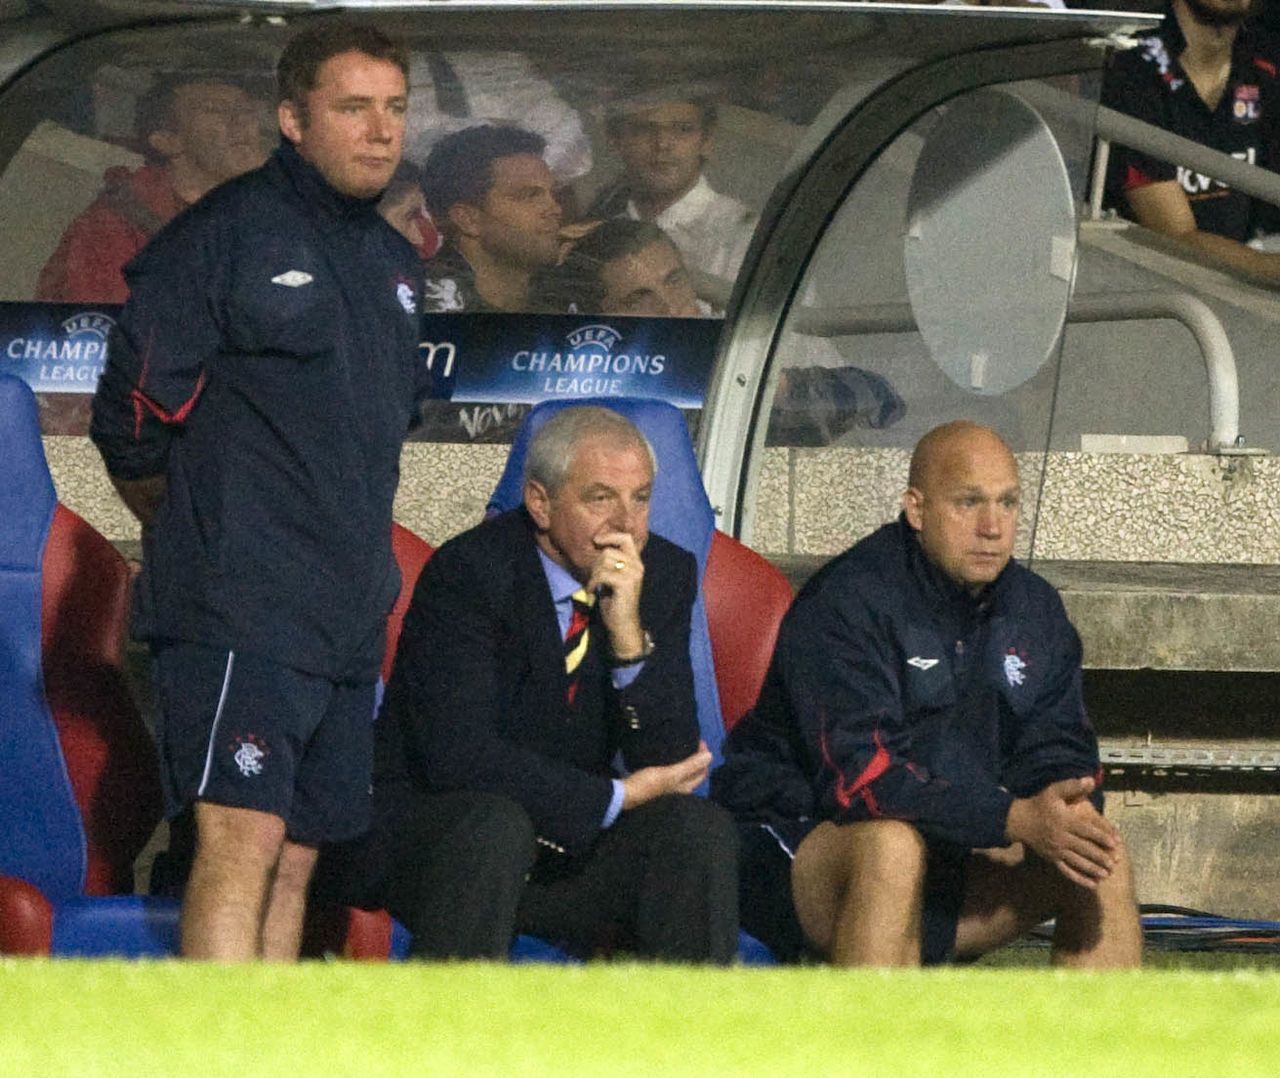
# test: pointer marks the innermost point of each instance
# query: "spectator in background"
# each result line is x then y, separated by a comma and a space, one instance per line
1205, 75
404, 208
627, 267
664, 139
634, 268
493, 198
456, 90
197, 131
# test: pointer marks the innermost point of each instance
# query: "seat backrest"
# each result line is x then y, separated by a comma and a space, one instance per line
746, 598
41, 837
110, 756
680, 512
412, 553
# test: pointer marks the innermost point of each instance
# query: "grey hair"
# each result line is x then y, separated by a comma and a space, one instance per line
550, 453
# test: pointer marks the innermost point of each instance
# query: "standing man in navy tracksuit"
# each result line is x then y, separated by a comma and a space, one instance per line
260, 383
919, 779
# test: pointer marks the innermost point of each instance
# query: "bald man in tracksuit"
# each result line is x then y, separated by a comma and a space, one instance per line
918, 780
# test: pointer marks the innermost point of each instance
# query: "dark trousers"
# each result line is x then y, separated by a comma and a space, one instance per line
464, 872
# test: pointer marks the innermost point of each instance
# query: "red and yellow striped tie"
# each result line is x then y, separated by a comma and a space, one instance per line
576, 638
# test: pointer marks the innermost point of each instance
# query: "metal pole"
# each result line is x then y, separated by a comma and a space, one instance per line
1098, 183
1199, 318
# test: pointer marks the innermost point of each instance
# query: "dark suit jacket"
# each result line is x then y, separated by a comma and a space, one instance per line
476, 700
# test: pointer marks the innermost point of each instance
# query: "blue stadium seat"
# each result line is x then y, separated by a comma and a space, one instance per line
80, 793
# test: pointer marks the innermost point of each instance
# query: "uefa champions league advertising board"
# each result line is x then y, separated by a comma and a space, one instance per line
474, 358
55, 347
503, 358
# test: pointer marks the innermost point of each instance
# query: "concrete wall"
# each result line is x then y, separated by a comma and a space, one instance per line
1092, 507
1186, 508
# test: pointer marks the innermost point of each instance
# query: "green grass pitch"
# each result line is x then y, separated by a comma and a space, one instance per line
109, 1018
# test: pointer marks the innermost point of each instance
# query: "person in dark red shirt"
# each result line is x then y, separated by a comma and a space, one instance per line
197, 133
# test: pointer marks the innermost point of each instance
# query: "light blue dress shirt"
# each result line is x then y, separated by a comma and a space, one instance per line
562, 587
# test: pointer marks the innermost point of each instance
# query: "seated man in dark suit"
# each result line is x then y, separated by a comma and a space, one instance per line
538, 646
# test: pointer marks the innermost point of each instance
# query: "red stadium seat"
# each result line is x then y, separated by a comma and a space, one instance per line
411, 554
109, 753
746, 597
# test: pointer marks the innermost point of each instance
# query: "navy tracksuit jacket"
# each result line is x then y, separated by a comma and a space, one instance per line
266, 362
894, 693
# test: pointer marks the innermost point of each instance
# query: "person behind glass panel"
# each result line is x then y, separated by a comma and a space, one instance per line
493, 197
664, 138
405, 209
1209, 74
197, 131
631, 268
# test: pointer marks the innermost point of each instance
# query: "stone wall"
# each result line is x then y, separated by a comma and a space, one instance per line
1187, 508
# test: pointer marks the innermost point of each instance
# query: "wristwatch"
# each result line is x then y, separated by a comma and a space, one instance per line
630, 660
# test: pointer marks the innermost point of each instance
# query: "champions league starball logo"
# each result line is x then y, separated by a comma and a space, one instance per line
67, 359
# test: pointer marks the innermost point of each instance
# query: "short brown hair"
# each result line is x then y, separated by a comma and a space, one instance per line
299, 64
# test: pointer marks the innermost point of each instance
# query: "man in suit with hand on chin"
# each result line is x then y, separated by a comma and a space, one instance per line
540, 647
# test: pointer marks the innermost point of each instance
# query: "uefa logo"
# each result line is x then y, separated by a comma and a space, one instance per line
88, 326
595, 339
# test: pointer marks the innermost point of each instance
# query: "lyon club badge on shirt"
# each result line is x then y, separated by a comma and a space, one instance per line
1247, 106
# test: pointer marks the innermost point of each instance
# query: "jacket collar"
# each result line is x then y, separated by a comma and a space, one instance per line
330, 203
939, 588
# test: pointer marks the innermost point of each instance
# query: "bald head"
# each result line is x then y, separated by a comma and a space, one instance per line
962, 499
940, 448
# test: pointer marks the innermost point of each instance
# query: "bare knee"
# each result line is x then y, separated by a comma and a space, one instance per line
895, 848
1100, 928
858, 890
244, 842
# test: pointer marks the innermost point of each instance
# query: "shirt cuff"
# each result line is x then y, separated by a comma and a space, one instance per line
615, 805
625, 675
